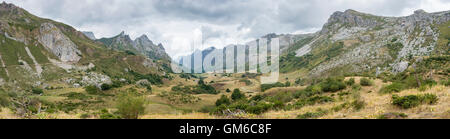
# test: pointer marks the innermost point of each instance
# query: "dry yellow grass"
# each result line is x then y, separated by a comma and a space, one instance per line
377, 104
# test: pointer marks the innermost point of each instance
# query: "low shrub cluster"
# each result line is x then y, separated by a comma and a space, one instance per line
308, 115
411, 101
200, 88
265, 87
365, 82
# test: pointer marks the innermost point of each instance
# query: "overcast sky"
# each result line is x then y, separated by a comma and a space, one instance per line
222, 22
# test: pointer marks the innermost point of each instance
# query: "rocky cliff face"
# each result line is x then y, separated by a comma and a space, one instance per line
56, 42
141, 45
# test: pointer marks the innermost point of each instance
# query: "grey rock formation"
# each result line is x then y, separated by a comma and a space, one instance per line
56, 42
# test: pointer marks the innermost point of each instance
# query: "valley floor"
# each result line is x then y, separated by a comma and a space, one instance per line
376, 104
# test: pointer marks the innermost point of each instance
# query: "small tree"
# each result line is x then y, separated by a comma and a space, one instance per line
130, 105
237, 95
228, 90
223, 100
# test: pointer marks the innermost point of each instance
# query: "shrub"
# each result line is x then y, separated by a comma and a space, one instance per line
228, 90
37, 91
429, 99
130, 105
446, 82
258, 108
365, 82
265, 87
105, 87
219, 110
394, 87
237, 95
332, 85
257, 98
358, 104
308, 115
350, 82
223, 100
91, 89
411, 101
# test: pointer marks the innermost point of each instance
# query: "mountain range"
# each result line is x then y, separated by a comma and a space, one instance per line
354, 42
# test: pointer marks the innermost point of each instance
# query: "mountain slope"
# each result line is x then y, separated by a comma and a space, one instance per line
37, 52
354, 42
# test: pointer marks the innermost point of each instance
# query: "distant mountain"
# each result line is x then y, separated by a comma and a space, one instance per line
89, 34
354, 42
285, 41
141, 45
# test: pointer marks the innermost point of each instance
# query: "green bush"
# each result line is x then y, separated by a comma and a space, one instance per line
37, 91
265, 87
411, 101
237, 95
105, 86
446, 82
358, 104
257, 98
332, 85
350, 82
91, 89
130, 105
309, 115
394, 87
258, 108
308, 91
365, 82
223, 100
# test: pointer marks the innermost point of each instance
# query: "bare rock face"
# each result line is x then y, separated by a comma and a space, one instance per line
56, 42
96, 79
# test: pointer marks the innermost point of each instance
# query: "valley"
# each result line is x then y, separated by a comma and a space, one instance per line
358, 66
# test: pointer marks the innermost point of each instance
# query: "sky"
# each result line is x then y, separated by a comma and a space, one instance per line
178, 24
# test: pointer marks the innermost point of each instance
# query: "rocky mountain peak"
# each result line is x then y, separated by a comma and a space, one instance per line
351, 18
143, 38
10, 8
420, 11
